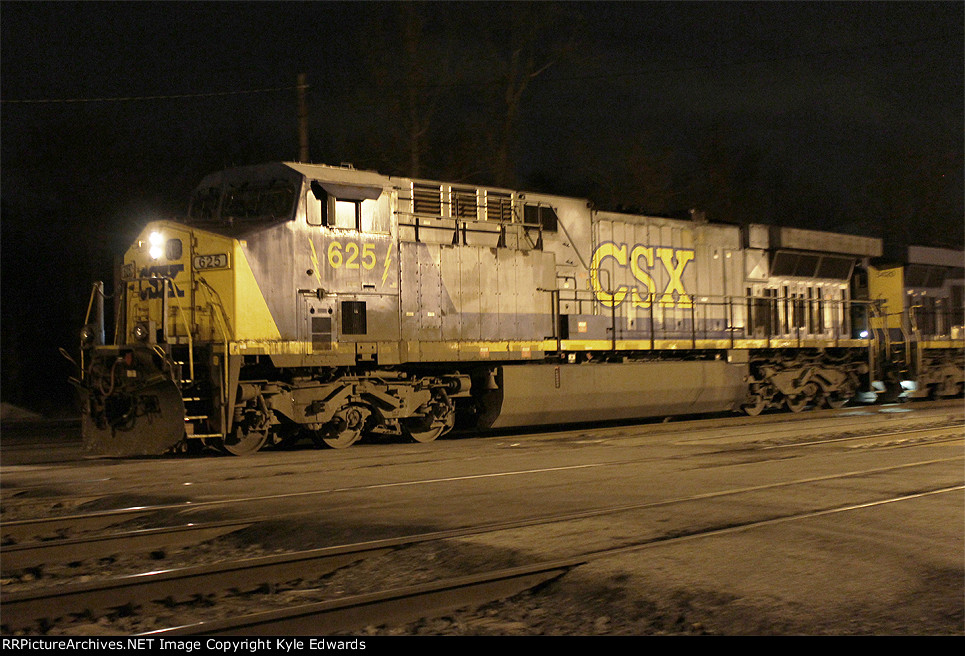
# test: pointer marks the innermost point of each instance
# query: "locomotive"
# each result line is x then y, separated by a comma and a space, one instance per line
309, 301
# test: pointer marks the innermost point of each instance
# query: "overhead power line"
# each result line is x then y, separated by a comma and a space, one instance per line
50, 101
892, 45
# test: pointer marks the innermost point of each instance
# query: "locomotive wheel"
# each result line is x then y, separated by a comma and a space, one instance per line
421, 430
836, 400
799, 402
245, 441
426, 429
839, 398
345, 429
440, 421
755, 408
249, 433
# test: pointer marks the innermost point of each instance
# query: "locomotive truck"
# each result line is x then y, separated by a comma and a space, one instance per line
324, 302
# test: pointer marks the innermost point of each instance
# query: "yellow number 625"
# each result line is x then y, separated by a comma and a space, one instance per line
336, 257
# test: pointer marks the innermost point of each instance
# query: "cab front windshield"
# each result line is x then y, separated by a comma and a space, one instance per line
246, 202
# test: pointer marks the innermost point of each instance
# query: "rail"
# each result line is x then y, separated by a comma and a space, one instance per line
40, 605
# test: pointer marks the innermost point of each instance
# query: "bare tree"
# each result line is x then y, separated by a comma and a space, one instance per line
537, 41
913, 196
412, 78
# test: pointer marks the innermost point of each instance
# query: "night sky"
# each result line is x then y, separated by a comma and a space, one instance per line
835, 116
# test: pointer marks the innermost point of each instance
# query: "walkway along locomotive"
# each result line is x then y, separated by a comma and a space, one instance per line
308, 300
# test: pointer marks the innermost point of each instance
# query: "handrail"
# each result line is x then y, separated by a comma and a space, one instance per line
916, 333
573, 245
184, 318
222, 320
98, 287
702, 323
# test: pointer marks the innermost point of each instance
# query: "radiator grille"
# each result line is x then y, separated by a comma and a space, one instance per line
321, 333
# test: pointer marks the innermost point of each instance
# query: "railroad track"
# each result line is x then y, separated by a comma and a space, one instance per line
54, 524
37, 553
907, 437
394, 606
401, 605
23, 552
649, 427
404, 604
42, 607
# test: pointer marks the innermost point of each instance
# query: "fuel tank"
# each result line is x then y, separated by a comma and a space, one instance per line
565, 393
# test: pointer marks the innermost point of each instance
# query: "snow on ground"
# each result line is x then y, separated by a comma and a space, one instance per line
9, 412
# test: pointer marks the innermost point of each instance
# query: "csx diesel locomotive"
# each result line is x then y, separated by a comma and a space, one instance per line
331, 303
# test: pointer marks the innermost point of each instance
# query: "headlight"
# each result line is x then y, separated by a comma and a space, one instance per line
141, 332
157, 245
87, 335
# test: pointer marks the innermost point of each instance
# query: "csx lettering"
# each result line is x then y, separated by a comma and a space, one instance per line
641, 259
156, 273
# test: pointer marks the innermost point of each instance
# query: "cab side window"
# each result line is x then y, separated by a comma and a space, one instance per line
347, 214
316, 205
357, 209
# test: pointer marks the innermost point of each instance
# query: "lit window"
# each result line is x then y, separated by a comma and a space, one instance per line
315, 202
346, 214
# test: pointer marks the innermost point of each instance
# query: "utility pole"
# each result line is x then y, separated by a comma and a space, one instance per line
302, 120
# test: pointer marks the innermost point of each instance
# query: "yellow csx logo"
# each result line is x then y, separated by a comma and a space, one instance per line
641, 259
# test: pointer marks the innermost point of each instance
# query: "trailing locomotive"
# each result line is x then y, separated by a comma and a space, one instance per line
919, 293
307, 300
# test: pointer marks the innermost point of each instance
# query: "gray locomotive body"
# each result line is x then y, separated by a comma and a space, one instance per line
332, 302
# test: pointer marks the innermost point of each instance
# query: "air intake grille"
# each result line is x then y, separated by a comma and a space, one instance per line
321, 333
426, 200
